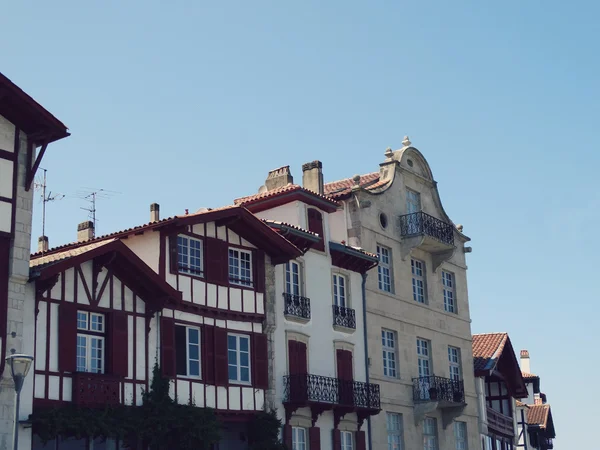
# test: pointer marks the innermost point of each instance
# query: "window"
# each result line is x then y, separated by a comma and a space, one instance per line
413, 202
293, 283
454, 361
240, 267
189, 255
460, 435
238, 355
423, 357
388, 344
187, 350
448, 286
418, 280
347, 441
383, 269
298, 438
395, 431
339, 290
315, 224
430, 434
90, 342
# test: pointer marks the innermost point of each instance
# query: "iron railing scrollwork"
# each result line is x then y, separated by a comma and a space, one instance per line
344, 317
423, 223
296, 305
304, 388
432, 388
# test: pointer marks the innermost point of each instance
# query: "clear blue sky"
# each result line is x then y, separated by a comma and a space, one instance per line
189, 104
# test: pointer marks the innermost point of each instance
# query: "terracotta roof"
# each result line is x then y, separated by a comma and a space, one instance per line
277, 224
66, 254
538, 415
343, 187
487, 348
288, 188
528, 376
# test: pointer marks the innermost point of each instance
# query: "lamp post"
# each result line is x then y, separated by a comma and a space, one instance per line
19, 367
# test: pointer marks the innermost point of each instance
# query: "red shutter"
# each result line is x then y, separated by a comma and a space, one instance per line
349, 366
261, 361
287, 436
259, 270
315, 224
67, 337
173, 256
361, 443
4, 271
302, 358
208, 361
314, 438
217, 261
344, 364
119, 338
292, 357
167, 338
221, 367
337, 440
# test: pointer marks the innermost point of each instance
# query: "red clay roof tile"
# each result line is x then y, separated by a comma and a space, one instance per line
487, 348
538, 415
342, 187
255, 198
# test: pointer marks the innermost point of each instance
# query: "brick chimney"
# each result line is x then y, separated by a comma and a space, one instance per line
85, 231
312, 176
525, 364
43, 244
154, 212
278, 178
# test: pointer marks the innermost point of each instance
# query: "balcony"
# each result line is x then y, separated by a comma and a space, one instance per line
431, 393
500, 423
95, 389
296, 307
330, 393
344, 319
427, 233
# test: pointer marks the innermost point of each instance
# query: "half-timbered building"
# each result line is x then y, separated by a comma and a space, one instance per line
320, 371
188, 293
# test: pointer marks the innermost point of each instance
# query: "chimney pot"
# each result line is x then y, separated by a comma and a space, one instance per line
312, 176
85, 231
43, 244
278, 178
154, 212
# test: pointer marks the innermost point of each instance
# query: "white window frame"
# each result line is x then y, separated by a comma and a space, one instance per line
235, 272
290, 285
454, 363
449, 290
189, 360
299, 438
395, 431
430, 435
384, 268
417, 269
424, 354
340, 290
347, 440
460, 436
413, 198
390, 353
184, 259
91, 335
238, 365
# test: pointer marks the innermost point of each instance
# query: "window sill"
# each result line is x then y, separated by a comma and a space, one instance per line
189, 377
240, 383
191, 275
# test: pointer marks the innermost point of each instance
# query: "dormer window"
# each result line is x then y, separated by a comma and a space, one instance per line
315, 224
189, 255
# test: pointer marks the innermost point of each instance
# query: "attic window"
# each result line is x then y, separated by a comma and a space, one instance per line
409, 162
383, 220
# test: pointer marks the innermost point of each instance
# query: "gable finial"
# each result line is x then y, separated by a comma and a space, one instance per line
406, 142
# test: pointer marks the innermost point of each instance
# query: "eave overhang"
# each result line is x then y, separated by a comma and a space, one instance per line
350, 258
301, 195
303, 239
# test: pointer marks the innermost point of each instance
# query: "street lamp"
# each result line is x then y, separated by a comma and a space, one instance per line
19, 367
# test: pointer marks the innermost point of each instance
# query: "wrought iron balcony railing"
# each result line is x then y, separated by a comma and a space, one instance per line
94, 389
344, 317
296, 305
500, 422
303, 389
432, 389
423, 223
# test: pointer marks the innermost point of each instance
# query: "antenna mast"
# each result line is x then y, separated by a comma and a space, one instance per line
91, 196
45, 199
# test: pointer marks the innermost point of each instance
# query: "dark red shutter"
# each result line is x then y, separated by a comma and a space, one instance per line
315, 224
344, 372
261, 361
119, 337
217, 261
292, 357
4, 271
337, 440
361, 443
208, 344
167, 342
221, 366
259, 270
287, 436
302, 358
67, 337
173, 256
314, 438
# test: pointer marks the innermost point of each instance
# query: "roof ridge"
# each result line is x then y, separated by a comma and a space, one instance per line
350, 178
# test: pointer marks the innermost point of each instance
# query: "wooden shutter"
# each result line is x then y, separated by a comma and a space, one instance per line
67, 337
315, 224
217, 261
173, 256
361, 443
261, 361
119, 337
259, 270
292, 357
287, 436
314, 438
221, 366
167, 342
302, 358
4, 271
337, 440
208, 361
181, 350
344, 364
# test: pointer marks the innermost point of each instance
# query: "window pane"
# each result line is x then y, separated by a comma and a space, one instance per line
245, 374
193, 336
231, 342
243, 344
97, 322
194, 368
232, 373
82, 319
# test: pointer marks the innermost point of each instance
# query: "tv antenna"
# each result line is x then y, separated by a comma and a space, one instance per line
41, 184
92, 195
